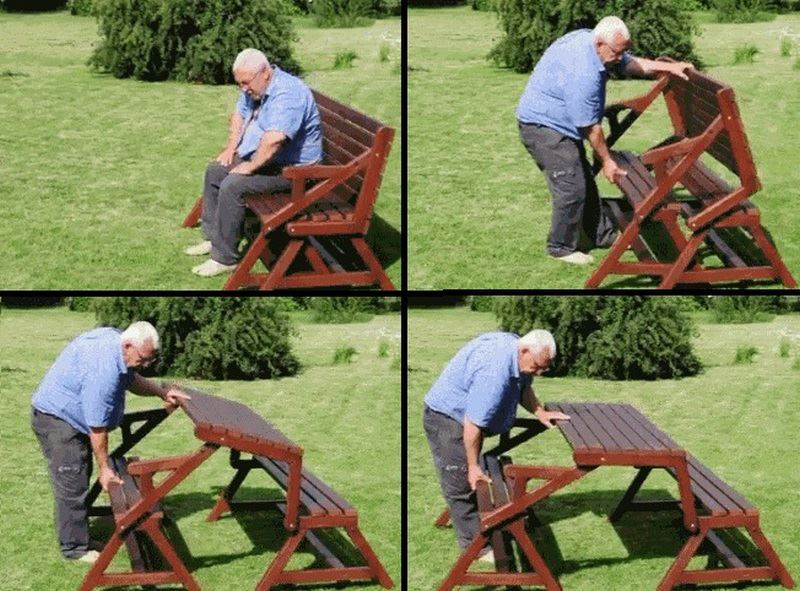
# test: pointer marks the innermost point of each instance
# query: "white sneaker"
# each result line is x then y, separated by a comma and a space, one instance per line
211, 268
91, 557
199, 249
576, 258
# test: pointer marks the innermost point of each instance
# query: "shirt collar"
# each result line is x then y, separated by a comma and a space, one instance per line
515, 358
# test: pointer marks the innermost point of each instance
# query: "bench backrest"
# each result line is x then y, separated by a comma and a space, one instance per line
694, 104
346, 135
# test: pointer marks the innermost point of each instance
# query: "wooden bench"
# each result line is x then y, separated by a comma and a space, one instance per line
718, 219
310, 504
504, 507
144, 538
314, 236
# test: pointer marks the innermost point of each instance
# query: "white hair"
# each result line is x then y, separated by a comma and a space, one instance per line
251, 60
139, 333
540, 339
609, 27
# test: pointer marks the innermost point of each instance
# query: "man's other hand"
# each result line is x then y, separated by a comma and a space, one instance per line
612, 171
546, 417
175, 396
108, 476
474, 474
226, 157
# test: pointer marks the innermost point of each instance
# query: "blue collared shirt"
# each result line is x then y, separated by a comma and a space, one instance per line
567, 90
482, 382
288, 107
86, 385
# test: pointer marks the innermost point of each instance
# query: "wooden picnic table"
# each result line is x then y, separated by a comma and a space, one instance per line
603, 434
219, 422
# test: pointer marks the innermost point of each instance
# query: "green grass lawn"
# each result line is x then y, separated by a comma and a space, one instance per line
346, 417
97, 174
479, 209
740, 420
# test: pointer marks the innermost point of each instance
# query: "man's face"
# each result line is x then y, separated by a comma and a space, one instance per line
611, 53
253, 82
534, 361
139, 357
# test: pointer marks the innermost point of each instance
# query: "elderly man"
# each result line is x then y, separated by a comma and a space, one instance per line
275, 124
563, 104
80, 399
475, 396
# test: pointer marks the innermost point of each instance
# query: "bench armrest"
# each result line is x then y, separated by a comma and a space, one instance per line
140, 467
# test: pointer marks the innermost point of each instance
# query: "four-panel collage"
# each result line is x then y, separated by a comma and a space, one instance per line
515, 301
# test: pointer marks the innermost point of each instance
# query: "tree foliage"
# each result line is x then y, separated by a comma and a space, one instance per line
189, 40
615, 338
211, 338
657, 27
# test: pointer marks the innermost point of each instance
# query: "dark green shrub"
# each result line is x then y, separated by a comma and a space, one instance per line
344, 59
79, 304
744, 355
80, 7
743, 309
785, 347
189, 40
32, 5
485, 5
211, 338
344, 355
745, 54
742, 11
657, 28
482, 303
618, 338
435, 3
341, 310
342, 13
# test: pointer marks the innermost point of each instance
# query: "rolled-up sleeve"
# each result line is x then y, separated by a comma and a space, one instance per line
486, 391
585, 102
98, 390
241, 106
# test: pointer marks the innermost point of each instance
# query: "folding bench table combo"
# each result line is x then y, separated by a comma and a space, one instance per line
609, 435
309, 505
314, 236
718, 218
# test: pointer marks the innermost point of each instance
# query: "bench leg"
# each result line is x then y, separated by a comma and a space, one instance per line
443, 520
369, 258
95, 574
459, 570
550, 583
772, 255
223, 503
168, 552
673, 575
612, 258
272, 575
194, 215
774, 561
278, 271
375, 565
683, 261
630, 494
241, 276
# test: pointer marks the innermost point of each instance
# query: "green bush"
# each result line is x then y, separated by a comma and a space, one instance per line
344, 355
786, 47
657, 28
79, 304
343, 13
482, 303
785, 347
189, 40
211, 338
32, 5
434, 3
796, 64
742, 11
742, 309
745, 54
339, 310
383, 348
384, 51
344, 59
617, 338
744, 355
80, 7
485, 5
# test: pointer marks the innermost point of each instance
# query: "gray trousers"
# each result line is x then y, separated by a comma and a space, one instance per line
576, 201
446, 440
69, 461
224, 208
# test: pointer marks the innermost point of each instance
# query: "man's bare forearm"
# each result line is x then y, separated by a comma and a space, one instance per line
99, 440
529, 401
597, 139
235, 133
146, 387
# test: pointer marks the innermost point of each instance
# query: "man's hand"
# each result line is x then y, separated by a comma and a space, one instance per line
678, 68
226, 156
545, 417
474, 474
108, 476
175, 396
612, 171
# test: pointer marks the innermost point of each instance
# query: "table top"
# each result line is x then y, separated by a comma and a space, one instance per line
613, 430
235, 425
